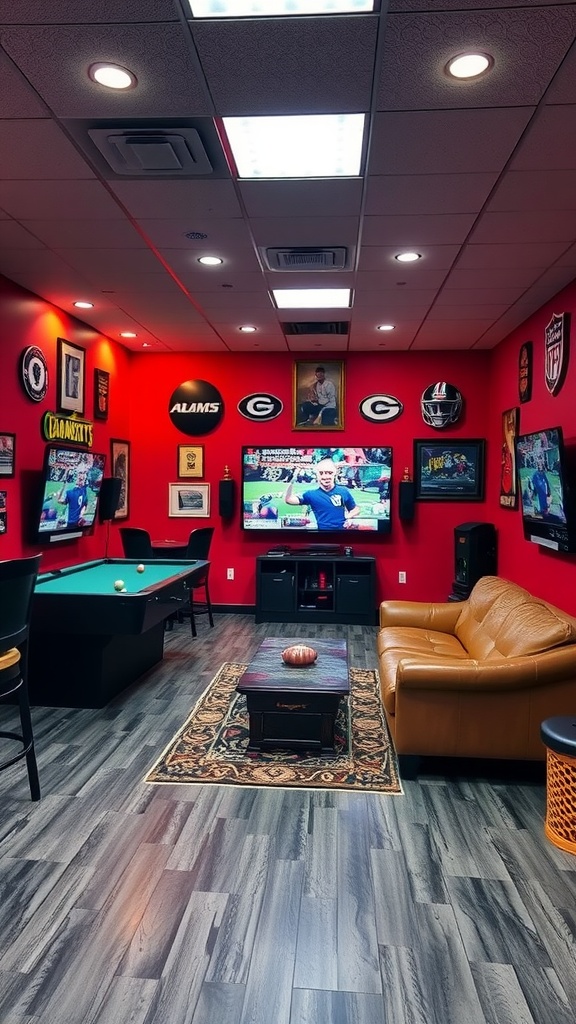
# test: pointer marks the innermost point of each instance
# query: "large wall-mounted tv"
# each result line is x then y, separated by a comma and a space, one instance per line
543, 483
316, 489
71, 481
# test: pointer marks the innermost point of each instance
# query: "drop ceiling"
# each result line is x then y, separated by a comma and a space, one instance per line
478, 177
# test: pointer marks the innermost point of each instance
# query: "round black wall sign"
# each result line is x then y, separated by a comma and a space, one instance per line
196, 407
34, 373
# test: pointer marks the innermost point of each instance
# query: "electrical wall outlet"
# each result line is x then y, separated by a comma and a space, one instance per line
401, 577
229, 574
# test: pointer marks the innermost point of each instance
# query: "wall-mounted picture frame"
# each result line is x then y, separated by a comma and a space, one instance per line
71, 371
508, 489
101, 394
120, 466
449, 470
318, 395
3, 512
7, 454
190, 460
189, 501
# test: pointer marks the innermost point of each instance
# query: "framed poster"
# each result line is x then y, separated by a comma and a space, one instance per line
120, 460
449, 470
190, 460
7, 454
3, 512
525, 372
191, 501
318, 396
508, 492
71, 377
101, 394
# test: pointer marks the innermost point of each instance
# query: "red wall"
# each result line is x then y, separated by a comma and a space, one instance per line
141, 386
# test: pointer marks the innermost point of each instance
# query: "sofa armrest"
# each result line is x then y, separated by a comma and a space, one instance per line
538, 670
441, 616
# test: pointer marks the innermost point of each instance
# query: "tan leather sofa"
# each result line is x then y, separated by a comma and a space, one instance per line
475, 678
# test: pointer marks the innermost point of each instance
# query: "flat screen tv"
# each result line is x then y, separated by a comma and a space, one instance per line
316, 489
543, 485
71, 481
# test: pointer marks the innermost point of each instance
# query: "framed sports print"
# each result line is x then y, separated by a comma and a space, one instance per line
7, 454
120, 462
449, 470
508, 492
318, 396
3, 512
71, 377
101, 394
190, 460
525, 372
191, 501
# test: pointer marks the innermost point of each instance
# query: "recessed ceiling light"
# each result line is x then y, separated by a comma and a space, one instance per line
312, 298
84, 305
385, 327
112, 76
247, 329
128, 334
408, 257
210, 261
469, 65
297, 146
269, 8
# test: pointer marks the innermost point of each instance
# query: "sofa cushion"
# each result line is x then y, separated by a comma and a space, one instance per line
395, 643
490, 603
532, 628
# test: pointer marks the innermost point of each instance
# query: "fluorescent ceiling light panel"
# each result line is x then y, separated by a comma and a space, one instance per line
270, 8
312, 298
297, 146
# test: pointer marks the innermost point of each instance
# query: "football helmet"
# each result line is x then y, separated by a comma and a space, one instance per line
441, 404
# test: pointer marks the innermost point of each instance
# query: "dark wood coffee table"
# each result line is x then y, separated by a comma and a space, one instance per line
294, 707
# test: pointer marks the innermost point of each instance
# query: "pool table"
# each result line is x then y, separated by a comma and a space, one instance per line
88, 642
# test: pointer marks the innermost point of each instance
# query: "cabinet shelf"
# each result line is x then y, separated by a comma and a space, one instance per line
289, 590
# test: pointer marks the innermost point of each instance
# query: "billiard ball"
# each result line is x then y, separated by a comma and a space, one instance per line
140, 568
119, 585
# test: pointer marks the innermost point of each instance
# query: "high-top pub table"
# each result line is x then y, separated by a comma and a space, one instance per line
294, 707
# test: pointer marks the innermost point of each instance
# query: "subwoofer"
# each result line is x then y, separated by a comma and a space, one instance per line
109, 498
474, 556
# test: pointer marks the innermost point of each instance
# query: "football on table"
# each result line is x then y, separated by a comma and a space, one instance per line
299, 654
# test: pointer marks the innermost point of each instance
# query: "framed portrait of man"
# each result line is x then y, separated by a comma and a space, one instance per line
318, 395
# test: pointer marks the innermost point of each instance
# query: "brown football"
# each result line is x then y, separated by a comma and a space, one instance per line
299, 654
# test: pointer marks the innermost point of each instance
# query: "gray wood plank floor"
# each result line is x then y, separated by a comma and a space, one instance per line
122, 902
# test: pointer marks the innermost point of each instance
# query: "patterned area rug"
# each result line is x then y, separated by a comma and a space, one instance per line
211, 745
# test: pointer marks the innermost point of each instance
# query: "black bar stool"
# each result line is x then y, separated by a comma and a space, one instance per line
17, 580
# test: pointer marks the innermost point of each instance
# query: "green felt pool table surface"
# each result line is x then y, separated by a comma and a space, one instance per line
99, 577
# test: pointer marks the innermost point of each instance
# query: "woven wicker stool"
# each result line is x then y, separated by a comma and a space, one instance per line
559, 738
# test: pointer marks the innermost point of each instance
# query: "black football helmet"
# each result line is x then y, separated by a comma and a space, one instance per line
441, 404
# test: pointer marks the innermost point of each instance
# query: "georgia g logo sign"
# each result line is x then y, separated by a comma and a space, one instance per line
260, 407
380, 408
196, 407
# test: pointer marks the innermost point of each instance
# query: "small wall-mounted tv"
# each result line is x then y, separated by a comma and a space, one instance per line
316, 489
71, 481
544, 486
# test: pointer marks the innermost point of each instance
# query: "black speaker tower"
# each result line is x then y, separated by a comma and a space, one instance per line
474, 556
109, 498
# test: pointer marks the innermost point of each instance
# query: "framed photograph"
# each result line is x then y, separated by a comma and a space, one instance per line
192, 501
71, 377
101, 394
3, 512
190, 460
508, 492
120, 466
449, 470
318, 396
7, 454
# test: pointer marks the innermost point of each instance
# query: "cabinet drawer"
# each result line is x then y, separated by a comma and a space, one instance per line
353, 592
277, 591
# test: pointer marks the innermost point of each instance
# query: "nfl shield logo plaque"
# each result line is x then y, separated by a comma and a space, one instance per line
556, 343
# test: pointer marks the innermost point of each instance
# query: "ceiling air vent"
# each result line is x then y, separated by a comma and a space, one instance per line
316, 327
166, 153
308, 258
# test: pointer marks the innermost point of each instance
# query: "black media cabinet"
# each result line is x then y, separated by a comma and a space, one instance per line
315, 588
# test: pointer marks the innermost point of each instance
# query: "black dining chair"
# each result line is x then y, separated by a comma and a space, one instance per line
198, 547
136, 543
17, 580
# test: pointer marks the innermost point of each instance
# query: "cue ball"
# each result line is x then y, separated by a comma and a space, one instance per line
140, 568
119, 585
